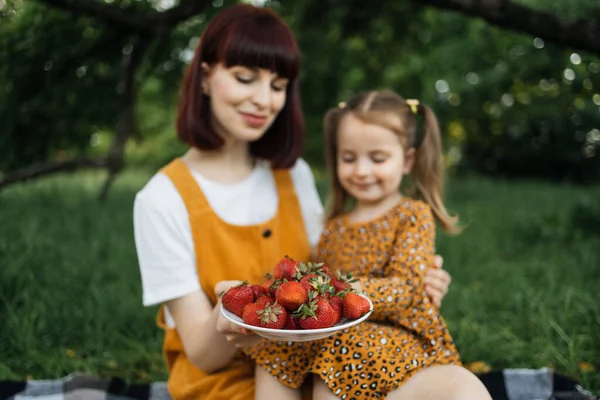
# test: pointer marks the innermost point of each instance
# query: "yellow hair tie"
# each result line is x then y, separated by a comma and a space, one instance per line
342, 104
413, 104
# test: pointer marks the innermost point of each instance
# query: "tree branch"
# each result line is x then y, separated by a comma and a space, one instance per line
104, 13
38, 170
173, 16
127, 125
581, 34
150, 23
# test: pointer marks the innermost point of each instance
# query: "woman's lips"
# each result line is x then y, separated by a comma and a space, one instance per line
253, 119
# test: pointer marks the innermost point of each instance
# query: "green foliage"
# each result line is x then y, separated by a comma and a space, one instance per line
55, 93
509, 104
585, 217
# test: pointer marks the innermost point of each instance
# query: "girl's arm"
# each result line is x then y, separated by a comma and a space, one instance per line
437, 281
400, 296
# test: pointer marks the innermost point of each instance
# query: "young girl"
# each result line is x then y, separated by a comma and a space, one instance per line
386, 239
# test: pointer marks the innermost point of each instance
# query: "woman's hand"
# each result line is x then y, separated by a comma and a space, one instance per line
236, 335
437, 281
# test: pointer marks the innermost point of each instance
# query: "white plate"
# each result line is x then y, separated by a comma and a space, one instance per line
299, 335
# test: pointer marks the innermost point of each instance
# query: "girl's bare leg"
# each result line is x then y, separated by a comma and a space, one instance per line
448, 382
267, 387
321, 391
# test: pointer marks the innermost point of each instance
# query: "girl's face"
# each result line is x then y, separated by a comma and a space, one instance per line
244, 101
371, 161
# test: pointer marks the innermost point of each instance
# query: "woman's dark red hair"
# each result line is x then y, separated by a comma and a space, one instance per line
253, 37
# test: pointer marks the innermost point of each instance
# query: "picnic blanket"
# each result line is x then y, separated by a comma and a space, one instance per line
508, 384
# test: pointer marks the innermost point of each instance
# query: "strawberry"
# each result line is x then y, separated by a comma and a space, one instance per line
323, 270
355, 306
269, 315
306, 281
322, 285
236, 298
337, 303
302, 270
286, 269
342, 282
259, 291
270, 286
339, 285
291, 323
264, 300
260, 303
267, 284
250, 315
291, 295
316, 314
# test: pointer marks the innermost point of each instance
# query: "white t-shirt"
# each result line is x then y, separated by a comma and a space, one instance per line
163, 237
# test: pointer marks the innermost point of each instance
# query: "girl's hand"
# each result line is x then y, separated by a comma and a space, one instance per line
437, 281
236, 335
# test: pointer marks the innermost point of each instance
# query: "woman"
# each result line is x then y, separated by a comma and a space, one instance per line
235, 203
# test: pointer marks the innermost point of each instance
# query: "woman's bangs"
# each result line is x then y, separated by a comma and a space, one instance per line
267, 45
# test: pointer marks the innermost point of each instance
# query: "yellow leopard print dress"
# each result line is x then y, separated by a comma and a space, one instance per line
390, 256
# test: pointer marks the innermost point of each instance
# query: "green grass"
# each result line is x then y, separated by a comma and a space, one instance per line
524, 292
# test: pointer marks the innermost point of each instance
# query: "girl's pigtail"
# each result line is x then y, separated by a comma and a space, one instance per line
429, 170
338, 197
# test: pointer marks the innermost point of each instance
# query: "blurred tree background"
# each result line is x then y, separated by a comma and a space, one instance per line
516, 84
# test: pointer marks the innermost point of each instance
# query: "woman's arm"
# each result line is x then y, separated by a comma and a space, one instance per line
437, 281
166, 258
209, 340
196, 322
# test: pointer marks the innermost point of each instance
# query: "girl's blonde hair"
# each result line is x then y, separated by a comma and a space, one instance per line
391, 111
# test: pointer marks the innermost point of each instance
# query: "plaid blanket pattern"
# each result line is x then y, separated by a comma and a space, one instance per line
508, 384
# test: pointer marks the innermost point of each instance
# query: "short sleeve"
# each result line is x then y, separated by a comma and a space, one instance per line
310, 202
163, 242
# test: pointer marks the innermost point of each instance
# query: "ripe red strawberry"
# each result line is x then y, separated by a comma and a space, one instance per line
260, 303
339, 285
291, 323
286, 269
270, 315
320, 284
267, 284
264, 300
324, 270
250, 315
291, 295
355, 306
236, 298
342, 282
259, 291
306, 281
337, 303
316, 314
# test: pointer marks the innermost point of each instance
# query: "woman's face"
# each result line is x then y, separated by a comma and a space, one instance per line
244, 101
